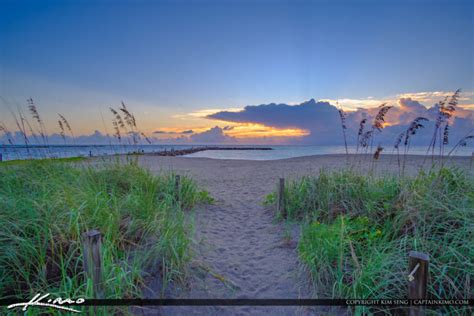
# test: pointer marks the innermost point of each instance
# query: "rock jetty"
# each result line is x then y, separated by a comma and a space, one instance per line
181, 152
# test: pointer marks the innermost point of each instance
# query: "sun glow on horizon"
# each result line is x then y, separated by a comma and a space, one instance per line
252, 130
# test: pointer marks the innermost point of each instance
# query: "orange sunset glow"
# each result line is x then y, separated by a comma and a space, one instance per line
250, 130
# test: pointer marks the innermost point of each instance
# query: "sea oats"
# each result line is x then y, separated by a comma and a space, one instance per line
379, 120
342, 116
378, 152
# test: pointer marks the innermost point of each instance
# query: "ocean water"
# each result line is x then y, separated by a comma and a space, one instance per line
283, 152
65, 151
277, 152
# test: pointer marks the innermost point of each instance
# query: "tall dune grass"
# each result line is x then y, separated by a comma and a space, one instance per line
45, 206
358, 230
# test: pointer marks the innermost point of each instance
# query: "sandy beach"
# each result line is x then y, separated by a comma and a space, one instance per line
239, 249
158, 156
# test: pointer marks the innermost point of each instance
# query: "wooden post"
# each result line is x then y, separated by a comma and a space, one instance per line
177, 180
281, 198
418, 272
92, 251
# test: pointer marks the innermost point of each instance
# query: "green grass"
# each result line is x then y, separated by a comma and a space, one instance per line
358, 229
45, 206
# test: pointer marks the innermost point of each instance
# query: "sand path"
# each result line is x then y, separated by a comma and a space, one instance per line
239, 249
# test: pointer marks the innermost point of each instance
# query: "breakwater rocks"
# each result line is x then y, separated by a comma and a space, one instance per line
181, 152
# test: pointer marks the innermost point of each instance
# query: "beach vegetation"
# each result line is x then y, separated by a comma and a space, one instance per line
46, 205
357, 231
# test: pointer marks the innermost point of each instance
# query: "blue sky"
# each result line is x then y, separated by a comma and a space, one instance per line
168, 60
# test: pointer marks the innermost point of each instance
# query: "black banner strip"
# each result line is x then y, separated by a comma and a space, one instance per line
259, 302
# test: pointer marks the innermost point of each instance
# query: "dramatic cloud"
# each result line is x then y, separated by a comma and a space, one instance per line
322, 121
189, 131
321, 118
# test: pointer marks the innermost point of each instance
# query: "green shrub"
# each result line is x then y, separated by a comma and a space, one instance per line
45, 206
358, 230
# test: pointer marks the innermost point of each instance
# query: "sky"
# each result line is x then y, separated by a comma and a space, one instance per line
182, 66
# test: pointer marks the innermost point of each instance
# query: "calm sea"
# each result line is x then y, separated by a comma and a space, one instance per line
65, 151
282, 152
278, 152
